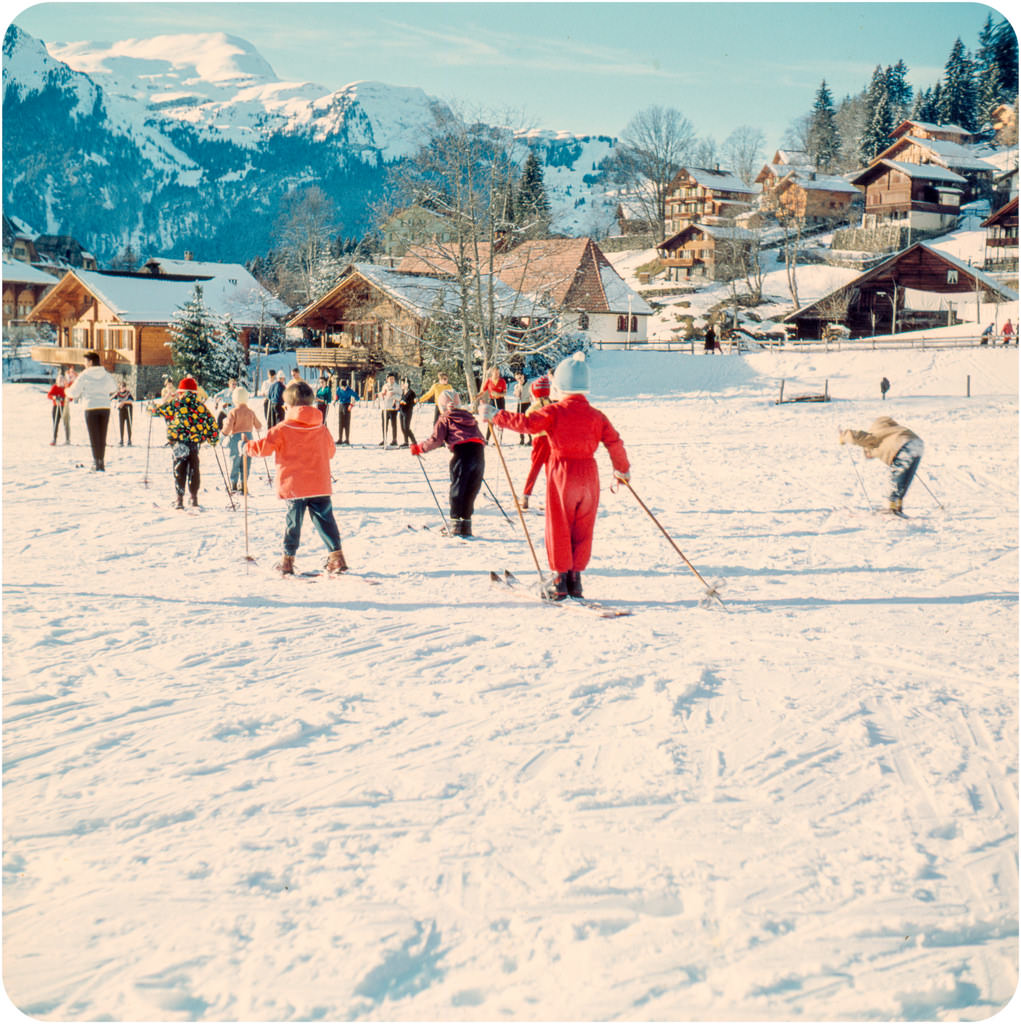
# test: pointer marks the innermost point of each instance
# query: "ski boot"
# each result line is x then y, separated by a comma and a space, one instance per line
285, 566
556, 587
336, 563
574, 584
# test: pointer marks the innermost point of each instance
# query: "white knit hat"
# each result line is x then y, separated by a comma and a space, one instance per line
449, 399
571, 376
240, 395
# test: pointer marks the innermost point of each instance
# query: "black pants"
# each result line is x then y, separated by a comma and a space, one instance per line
96, 422
58, 415
320, 511
405, 418
390, 420
467, 468
124, 419
344, 423
186, 468
500, 404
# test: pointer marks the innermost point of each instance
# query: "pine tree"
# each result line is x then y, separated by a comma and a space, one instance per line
988, 95
958, 100
194, 331
531, 204
823, 138
876, 135
1004, 44
898, 91
922, 110
227, 358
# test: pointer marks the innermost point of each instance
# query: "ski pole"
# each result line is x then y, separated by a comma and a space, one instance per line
148, 448
868, 501
226, 486
710, 591
437, 500
498, 505
933, 496
517, 505
244, 478
269, 479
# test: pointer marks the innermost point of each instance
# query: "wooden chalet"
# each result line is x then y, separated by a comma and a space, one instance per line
23, 287
914, 289
784, 161
812, 197
50, 253
928, 130
1001, 238
569, 275
126, 316
711, 251
375, 318
574, 277
925, 197
1005, 186
415, 225
947, 154
703, 194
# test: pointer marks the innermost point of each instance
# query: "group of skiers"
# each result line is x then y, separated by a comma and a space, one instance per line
564, 429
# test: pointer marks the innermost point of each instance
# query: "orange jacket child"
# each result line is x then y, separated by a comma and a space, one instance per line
302, 448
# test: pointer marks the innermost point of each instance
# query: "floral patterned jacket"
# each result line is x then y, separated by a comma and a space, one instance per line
188, 419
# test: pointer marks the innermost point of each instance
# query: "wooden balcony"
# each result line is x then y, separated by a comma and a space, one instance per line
344, 357
59, 355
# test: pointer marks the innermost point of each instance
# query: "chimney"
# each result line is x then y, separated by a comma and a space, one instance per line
188, 254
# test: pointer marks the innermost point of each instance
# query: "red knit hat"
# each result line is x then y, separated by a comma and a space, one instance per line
540, 387
188, 384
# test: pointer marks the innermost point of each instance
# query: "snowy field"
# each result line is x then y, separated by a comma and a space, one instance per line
231, 796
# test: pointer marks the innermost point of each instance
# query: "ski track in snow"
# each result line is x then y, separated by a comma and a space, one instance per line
231, 796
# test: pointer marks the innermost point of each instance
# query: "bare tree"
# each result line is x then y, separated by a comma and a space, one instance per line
653, 148
705, 152
307, 220
792, 221
742, 151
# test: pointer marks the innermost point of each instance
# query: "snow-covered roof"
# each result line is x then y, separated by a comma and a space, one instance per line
928, 126
725, 181
813, 181
953, 154
229, 285
142, 298
25, 273
928, 172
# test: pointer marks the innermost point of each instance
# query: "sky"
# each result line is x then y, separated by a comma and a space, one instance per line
585, 68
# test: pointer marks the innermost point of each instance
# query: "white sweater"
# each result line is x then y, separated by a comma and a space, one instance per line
93, 386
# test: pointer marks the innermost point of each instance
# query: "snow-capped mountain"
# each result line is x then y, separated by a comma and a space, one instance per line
189, 141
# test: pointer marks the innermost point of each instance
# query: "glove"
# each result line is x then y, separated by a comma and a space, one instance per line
487, 411
623, 475
416, 449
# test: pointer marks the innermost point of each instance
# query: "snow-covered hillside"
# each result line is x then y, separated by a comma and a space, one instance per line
231, 796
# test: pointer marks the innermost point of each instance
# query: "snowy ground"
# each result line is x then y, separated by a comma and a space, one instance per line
231, 796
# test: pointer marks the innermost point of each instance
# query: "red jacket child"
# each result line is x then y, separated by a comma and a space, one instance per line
575, 431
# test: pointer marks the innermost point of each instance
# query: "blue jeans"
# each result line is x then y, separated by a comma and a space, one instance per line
235, 446
903, 467
320, 511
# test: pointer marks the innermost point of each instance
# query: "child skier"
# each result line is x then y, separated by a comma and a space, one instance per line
898, 447
122, 399
237, 428
457, 429
189, 423
575, 431
540, 443
302, 447
58, 396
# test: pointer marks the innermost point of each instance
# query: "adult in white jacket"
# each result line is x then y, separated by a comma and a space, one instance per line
93, 387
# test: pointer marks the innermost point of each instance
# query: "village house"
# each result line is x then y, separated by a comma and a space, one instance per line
701, 194
1001, 238
928, 130
919, 287
948, 154
50, 253
784, 161
710, 251
922, 197
23, 287
415, 225
126, 316
376, 319
1004, 186
570, 275
813, 198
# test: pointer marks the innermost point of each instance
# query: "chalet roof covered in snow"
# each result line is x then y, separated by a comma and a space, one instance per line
926, 172
928, 126
25, 273
724, 181
950, 154
813, 181
143, 298
229, 284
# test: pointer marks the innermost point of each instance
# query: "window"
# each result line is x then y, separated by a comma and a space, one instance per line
622, 324
583, 321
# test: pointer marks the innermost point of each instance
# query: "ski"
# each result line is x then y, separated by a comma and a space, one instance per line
508, 579
318, 574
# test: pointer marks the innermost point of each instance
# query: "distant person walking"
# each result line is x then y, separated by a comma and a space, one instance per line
1008, 332
58, 396
710, 339
346, 397
122, 400
274, 402
94, 387
389, 400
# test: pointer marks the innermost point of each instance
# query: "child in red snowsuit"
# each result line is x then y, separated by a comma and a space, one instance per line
540, 442
575, 431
